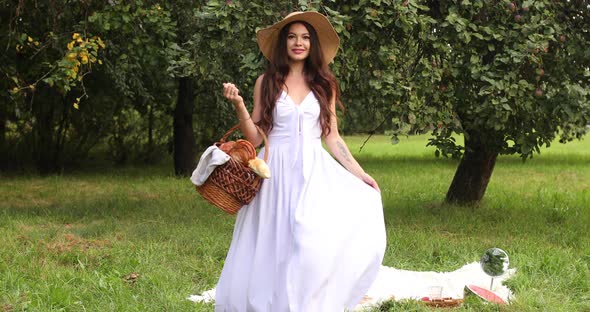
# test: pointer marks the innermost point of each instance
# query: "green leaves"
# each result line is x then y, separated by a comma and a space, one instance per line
404, 66
500, 71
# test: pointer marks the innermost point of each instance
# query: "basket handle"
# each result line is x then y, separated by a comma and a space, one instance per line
236, 127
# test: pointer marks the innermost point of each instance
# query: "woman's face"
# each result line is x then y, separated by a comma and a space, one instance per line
298, 42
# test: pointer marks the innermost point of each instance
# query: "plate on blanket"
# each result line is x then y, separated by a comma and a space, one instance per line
483, 293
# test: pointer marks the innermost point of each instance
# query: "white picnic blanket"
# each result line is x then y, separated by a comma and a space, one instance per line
403, 284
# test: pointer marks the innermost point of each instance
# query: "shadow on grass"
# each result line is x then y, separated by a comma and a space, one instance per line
166, 169
118, 204
547, 160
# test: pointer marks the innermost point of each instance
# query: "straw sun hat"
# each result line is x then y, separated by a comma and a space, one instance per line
327, 36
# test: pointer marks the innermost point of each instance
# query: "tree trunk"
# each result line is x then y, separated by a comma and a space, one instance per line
44, 143
184, 142
4, 154
3, 119
44, 103
61, 133
474, 172
150, 129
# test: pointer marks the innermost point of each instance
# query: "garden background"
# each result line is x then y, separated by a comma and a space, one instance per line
458, 108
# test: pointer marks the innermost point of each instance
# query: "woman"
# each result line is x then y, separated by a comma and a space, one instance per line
313, 238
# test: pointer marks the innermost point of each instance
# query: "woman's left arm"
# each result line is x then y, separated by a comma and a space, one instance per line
340, 150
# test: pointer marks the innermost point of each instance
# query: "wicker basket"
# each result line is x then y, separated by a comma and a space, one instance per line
232, 185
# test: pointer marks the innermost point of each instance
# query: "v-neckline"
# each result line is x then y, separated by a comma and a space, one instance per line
293, 101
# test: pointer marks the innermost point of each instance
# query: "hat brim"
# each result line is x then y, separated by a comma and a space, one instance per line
327, 36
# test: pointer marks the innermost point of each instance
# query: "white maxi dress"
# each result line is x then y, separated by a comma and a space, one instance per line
313, 238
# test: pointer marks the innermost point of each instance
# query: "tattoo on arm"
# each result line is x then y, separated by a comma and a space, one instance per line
343, 151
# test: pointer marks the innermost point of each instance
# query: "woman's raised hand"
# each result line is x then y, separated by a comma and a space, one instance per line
232, 93
370, 181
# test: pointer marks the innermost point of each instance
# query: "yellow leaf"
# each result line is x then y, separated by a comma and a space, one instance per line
14, 90
79, 40
36, 43
76, 106
71, 56
84, 59
30, 39
71, 45
75, 36
100, 62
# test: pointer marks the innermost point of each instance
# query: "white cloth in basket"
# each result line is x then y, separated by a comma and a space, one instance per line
211, 158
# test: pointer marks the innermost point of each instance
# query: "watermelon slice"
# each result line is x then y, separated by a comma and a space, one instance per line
483, 293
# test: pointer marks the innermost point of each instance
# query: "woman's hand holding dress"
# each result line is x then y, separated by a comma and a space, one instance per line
370, 181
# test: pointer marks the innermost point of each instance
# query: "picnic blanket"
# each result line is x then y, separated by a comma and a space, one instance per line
392, 283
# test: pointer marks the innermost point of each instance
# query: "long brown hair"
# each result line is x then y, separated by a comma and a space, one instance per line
318, 77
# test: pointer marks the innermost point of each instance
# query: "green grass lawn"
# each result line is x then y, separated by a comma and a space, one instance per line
140, 239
